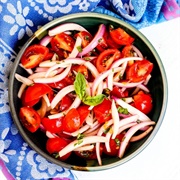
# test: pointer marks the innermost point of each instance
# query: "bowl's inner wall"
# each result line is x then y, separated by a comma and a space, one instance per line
155, 85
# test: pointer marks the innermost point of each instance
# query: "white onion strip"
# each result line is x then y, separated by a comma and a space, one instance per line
61, 94
103, 128
86, 140
116, 119
129, 134
75, 50
75, 104
24, 80
54, 78
81, 130
85, 148
127, 84
66, 27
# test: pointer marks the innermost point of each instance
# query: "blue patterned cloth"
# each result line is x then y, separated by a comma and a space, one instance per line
18, 21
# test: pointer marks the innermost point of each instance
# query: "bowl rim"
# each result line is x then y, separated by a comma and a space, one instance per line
37, 34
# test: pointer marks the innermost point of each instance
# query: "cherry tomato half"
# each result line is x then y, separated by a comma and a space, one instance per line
121, 37
106, 58
143, 102
118, 92
139, 70
102, 111
83, 111
71, 122
52, 125
54, 145
33, 55
35, 92
85, 36
30, 118
114, 145
63, 41
65, 103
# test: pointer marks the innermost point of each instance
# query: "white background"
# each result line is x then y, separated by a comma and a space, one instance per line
161, 158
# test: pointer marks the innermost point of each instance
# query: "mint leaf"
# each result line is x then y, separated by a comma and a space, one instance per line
80, 85
94, 100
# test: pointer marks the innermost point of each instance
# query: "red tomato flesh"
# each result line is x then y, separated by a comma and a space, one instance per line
143, 102
139, 71
33, 55
54, 145
30, 118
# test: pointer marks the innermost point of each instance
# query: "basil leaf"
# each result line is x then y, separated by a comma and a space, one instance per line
80, 85
94, 100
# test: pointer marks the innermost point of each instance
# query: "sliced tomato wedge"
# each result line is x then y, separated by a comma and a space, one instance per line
120, 36
52, 125
54, 145
72, 121
103, 111
33, 93
106, 58
139, 71
33, 55
63, 41
143, 102
85, 36
30, 118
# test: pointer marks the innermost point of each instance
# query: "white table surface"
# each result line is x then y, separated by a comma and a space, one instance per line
161, 158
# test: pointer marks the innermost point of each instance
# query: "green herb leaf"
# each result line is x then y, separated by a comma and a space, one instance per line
79, 138
122, 110
94, 100
80, 85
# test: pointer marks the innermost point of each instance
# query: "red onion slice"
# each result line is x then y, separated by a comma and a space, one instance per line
61, 94
132, 110
86, 140
66, 27
54, 79
45, 40
129, 134
142, 135
94, 41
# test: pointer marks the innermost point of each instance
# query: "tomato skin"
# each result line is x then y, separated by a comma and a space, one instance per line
63, 41
139, 70
102, 111
33, 55
106, 58
35, 92
71, 122
121, 37
83, 111
52, 125
59, 85
65, 103
114, 145
30, 118
85, 36
143, 102
118, 92
54, 145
